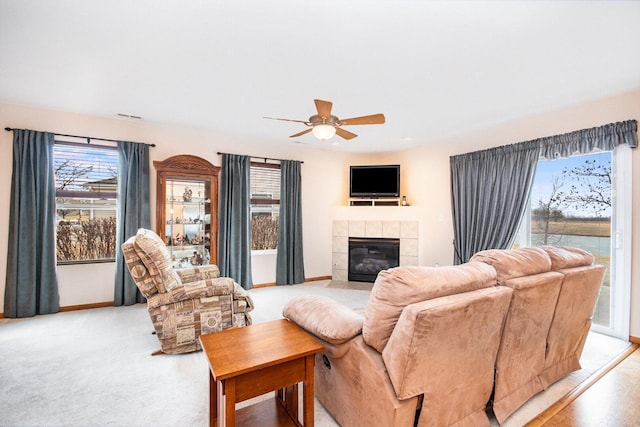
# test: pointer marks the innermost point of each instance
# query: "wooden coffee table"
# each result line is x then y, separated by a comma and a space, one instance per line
253, 360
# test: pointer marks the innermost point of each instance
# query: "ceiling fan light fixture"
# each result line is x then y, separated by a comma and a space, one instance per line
323, 132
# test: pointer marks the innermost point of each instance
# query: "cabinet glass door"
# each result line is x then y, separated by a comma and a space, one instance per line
188, 221
187, 209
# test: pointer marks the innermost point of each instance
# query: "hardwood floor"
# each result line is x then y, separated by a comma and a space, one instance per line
609, 398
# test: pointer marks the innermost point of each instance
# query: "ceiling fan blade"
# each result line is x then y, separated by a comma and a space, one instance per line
301, 133
323, 107
345, 133
374, 119
287, 120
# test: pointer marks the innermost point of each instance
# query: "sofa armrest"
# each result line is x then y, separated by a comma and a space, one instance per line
194, 274
200, 289
325, 318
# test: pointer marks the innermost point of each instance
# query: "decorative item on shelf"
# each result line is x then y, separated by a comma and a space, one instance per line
187, 195
179, 239
196, 259
404, 201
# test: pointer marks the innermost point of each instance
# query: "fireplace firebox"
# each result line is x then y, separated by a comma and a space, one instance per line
368, 256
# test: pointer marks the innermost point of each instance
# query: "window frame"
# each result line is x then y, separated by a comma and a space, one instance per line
621, 223
103, 195
263, 201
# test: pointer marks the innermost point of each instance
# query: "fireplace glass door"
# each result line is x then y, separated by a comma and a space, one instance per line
369, 256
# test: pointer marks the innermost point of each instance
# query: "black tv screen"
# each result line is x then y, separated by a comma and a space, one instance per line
375, 181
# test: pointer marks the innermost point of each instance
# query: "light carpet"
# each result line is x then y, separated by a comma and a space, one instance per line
93, 367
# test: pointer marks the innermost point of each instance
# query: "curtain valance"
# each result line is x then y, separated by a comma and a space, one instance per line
601, 138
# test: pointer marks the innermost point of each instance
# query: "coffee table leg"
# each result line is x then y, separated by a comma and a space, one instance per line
230, 402
213, 401
307, 390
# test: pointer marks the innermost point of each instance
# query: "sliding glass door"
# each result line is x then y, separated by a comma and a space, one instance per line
584, 201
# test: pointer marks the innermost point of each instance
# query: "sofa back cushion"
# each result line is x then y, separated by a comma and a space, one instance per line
398, 287
510, 263
566, 257
155, 256
447, 346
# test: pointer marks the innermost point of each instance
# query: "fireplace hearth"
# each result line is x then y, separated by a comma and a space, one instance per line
368, 256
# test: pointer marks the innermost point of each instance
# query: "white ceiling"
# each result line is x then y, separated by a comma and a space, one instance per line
434, 68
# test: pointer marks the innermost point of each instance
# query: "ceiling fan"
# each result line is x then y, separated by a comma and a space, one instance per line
324, 125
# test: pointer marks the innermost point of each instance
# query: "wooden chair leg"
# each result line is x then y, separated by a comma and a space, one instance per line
157, 352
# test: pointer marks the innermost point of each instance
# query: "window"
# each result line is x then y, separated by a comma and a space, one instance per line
265, 205
86, 187
574, 203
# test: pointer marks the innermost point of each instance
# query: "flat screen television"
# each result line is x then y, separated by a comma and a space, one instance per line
375, 181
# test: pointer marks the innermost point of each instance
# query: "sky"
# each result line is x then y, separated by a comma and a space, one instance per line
548, 169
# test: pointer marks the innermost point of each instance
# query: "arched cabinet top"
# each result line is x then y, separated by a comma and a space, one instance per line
186, 164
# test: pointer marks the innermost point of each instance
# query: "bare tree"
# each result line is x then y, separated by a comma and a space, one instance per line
549, 209
264, 232
67, 172
590, 188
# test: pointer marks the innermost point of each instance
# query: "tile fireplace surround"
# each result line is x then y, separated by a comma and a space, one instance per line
374, 222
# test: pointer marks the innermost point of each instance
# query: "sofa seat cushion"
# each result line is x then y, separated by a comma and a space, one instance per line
155, 256
510, 263
398, 287
565, 257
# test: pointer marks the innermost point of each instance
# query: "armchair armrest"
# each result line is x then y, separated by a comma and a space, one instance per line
242, 301
202, 288
193, 274
325, 318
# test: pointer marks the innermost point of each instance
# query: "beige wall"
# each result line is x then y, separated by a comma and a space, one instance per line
424, 177
426, 171
322, 175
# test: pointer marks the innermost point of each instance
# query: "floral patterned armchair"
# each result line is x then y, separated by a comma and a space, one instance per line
183, 304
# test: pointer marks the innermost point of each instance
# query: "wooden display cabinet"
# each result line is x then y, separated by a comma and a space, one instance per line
187, 209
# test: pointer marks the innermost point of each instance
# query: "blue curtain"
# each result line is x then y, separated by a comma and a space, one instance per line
490, 189
489, 194
31, 285
234, 219
290, 261
133, 213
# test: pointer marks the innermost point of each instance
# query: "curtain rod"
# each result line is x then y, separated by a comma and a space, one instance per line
258, 157
88, 138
